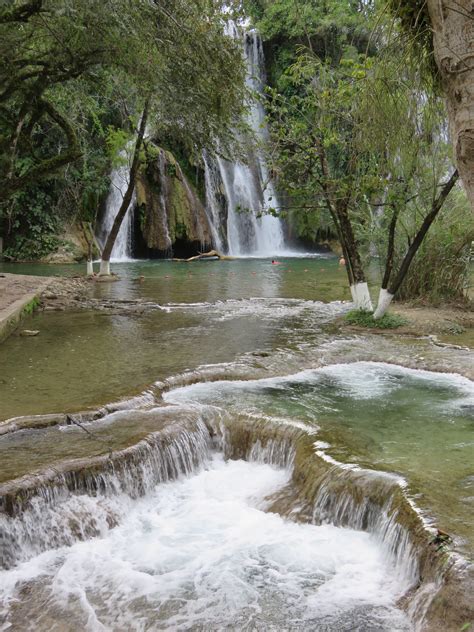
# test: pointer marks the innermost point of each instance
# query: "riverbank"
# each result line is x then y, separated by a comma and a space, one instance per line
19, 296
447, 325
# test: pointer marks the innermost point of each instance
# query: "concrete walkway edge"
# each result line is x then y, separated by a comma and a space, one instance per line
11, 315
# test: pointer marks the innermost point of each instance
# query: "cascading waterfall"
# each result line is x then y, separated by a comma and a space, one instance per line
115, 496
122, 250
248, 189
238, 196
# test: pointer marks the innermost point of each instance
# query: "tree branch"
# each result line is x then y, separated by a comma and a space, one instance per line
420, 235
20, 13
50, 166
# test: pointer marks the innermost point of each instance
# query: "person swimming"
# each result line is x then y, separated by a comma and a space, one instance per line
275, 262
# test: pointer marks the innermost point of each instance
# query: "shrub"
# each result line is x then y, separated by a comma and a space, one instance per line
366, 319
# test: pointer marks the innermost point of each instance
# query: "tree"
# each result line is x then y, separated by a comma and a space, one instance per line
366, 140
318, 157
108, 52
443, 28
127, 198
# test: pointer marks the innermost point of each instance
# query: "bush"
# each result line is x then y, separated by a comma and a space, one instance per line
440, 271
366, 319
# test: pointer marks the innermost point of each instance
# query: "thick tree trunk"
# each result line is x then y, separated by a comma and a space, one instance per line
127, 198
453, 43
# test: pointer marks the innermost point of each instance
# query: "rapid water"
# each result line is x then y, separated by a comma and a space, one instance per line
239, 357
202, 554
414, 423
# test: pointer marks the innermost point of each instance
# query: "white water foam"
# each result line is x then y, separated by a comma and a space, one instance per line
362, 380
200, 553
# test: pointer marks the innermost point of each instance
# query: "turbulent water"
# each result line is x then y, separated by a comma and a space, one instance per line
200, 553
142, 514
415, 423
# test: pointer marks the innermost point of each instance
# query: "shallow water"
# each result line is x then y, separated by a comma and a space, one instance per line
231, 320
87, 358
202, 554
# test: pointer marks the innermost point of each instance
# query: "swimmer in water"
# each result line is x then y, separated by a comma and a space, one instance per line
342, 261
275, 262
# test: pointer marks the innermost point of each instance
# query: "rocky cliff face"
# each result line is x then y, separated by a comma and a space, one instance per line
171, 215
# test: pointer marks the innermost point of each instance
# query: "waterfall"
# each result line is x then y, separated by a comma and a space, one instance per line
247, 188
91, 499
122, 250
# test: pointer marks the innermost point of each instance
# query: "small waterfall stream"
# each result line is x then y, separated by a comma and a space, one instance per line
214, 526
122, 250
248, 189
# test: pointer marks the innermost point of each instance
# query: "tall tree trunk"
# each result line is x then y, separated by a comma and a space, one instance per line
387, 294
339, 210
127, 198
453, 43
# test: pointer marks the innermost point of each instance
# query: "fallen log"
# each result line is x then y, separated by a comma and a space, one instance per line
212, 254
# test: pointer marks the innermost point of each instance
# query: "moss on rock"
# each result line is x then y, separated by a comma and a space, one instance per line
170, 206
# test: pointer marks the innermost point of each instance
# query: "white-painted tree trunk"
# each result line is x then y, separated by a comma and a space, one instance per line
361, 296
104, 268
385, 298
90, 267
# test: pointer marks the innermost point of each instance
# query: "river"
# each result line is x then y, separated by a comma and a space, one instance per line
148, 518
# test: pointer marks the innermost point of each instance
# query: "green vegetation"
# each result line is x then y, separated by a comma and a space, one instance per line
30, 307
366, 319
74, 77
359, 142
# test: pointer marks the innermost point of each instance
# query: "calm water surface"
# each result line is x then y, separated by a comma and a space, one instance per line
84, 359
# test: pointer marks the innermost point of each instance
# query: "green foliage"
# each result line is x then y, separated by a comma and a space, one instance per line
31, 307
367, 132
366, 319
328, 29
74, 75
441, 269
414, 20
33, 226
